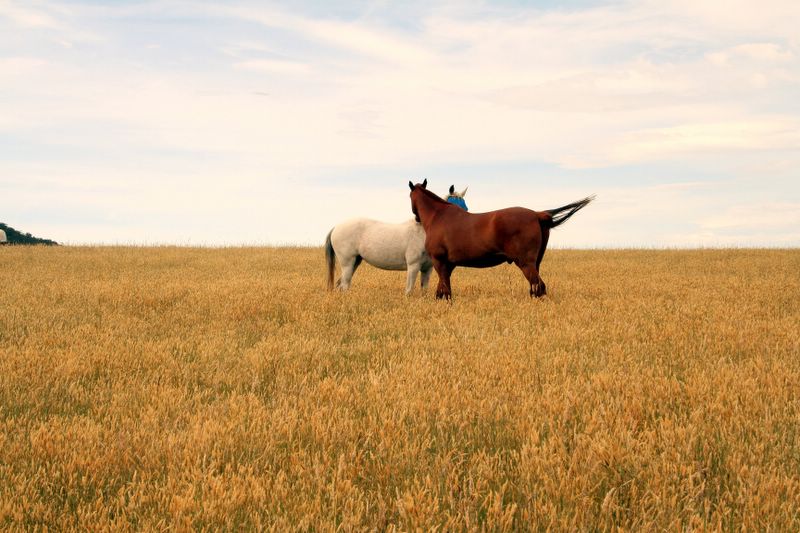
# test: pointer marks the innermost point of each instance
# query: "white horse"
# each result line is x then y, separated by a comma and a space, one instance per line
383, 245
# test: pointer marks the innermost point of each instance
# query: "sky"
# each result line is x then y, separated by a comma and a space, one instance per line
257, 123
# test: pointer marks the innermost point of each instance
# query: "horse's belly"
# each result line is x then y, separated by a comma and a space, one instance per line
483, 262
387, 256
386, 263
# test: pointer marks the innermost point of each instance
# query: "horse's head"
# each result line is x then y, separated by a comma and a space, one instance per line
415, 188
423, 202
457, 198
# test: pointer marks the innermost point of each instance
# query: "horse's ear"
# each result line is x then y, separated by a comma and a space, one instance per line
410, 185
425, 183
464, 192
452, 189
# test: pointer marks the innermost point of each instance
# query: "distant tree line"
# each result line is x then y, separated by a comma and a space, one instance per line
15, 237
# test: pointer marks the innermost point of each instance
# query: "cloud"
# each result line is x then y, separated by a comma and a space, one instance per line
769, 52
654, 144
13, 67
378, 43
635, 86
26, 17
51, 19
272, 65
734, 18
763, 216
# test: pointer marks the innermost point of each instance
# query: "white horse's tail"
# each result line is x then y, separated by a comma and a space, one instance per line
330, 258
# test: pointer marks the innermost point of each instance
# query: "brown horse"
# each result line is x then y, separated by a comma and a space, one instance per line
454, 237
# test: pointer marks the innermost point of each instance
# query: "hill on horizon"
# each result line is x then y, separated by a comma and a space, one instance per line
17, 237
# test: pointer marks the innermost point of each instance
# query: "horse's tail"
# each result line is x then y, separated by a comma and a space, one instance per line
330, 259
555, 217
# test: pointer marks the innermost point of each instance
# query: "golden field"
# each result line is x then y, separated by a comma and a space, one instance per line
188, 389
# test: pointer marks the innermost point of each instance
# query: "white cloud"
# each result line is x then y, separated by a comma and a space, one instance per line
13, 67
770, 52
26, 17
378, 43
272, 65
756, 134
733, 18
764, 216
51, 19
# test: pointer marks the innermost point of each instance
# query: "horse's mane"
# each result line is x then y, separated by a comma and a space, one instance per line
434, 196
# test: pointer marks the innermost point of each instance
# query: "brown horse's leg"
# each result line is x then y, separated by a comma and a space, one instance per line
443, 269
542, 288
530, 272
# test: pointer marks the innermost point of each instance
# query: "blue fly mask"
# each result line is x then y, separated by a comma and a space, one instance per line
457, 198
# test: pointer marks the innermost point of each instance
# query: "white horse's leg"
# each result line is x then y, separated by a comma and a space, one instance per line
349, 266
424, 276
413, 268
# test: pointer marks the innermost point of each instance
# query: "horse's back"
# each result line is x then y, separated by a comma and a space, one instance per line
391, 246
381, 244
345, 236
485, 239
513, 225
516, 217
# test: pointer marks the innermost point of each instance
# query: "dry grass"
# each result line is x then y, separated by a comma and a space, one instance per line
164, 388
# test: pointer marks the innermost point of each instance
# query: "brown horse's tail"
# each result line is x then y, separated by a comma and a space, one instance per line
330, 259
555, 217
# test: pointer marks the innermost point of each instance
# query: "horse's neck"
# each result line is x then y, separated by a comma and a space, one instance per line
432, 209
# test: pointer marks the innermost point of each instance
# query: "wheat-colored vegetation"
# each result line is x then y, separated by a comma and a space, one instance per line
179, 388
